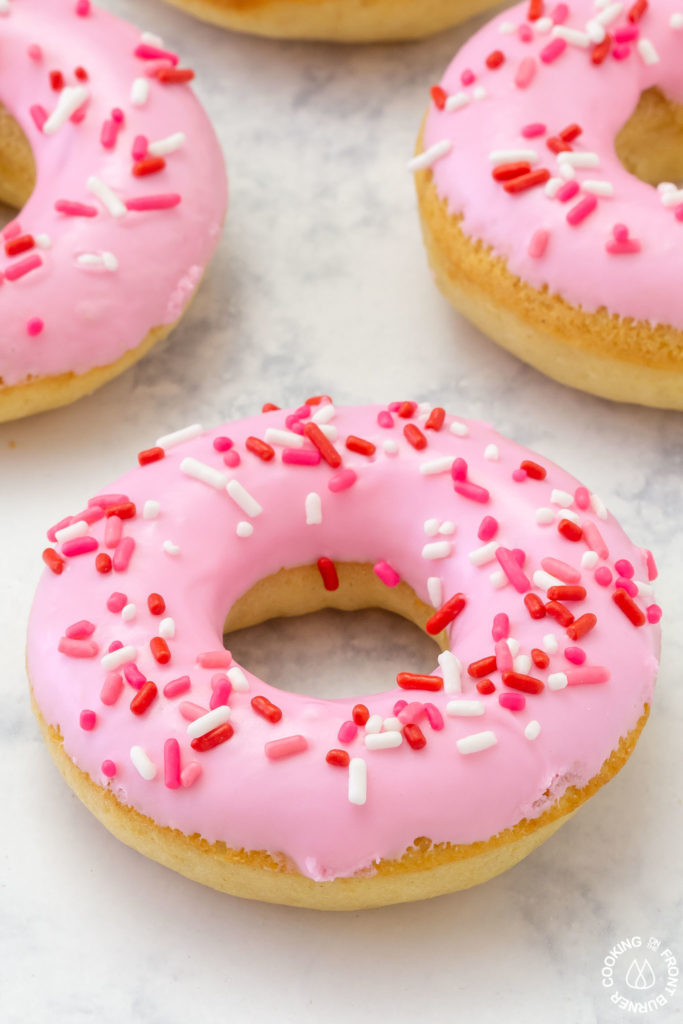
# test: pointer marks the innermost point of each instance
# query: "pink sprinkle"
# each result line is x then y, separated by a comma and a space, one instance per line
190, 711
651, 565
386, 574
519, 475
503, 657
79, 546
385, 419
627, 585
524, 75
620, 232
34, 51
75, 209
147, 52
512, 570
625, 568
214, 659
82, 8
467, 77
172, 764
123, 554
603, 576
134, 676
285, 747
87, 719
594, 538
303, 412
108, 769
108, 135
190, 774
77, 648
177, 686
34, 326
89, 515
115, 645
582, 498
582, 209
292, 422
347, 732
501, 626
678, 211
111, 688
553, 50
538, 243
12, 230
621, 51
630, 246
434, 717
567, 191
519, 556
107, 500
222, 444
488, 528
342, 480
79, 115
222, 687
559, 14
52, 532
113, 530
472, 491
80, 630
626, 33
16, 270
301, 456
575, 654
232, 458
116, 601
512, 701
587, 674
564, 572
459, 469
163, 201
530, 131
654, 613
412, 712
39, 115
399, 706
524, 33
139, 150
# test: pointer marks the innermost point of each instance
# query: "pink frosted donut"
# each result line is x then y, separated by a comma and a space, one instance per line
536, 171
542, 606
123, 189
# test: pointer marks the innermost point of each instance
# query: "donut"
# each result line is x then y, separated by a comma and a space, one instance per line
344, 21
540, 605
535, 173
121, 187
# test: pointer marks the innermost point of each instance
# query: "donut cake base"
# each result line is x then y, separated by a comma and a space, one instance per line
425, 870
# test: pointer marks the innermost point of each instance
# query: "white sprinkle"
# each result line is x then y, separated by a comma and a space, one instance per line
567, 171
314, 511
70, 99
5, 7
598, 188
358, 781
644, 589
513, 645
563, 498
392, 724
241, 496
167, 628
507, 28
671, 196
170, 548
329, 430
456, 101
465, 708
666, 186
447, 528
162, 147
383, 740
437, 549
552, 187
543, 580
72, 531
178, 436
595, 30
589, 559
647, 51
579, 159
97, 259
150, 510
542, 26
572, 36
522, 664
145, 767
498, 579
285, 438
424, 408
110, 261
479, 92
128, 612
459, 429
476, 742
43, 241
550, 643
544, 516
139, 93
435, 590
239, 681
484, 554
676, 21
374, 723
491, 453
598, 507
431, 155
244, 529
434, 466
431, 527
211, 720
609, 13
505, 156
111, 202
557, 681
152, 39
206, 474
114, 659
532, 729
324, 413
390, 447
451, 670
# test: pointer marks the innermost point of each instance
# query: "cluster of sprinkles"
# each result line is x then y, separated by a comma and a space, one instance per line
565, 168
212, 700
72, 91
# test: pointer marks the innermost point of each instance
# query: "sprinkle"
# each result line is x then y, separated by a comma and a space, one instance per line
114, 659
342, 480
328, 573
206, 474
386, 574
77, 529
327, 450
71, 98
150, 510
676, 21
627, 605
160, 650
525, 73
507, 156
456, 101
465, 708
123, 554
435, 590
262, 706
143, 698
128, 612
243, 499
538, 243
214, 659
111, 202
554, 49
76, 648
383, 740
208, 722
532, 729
474, 492
434, 466
430, 155
446, 614
285, 747
162, 147
145, 767
598, 188
358, 781
572, 36
23, 267
459, 429
437, 549
212, 739
476, 742
495, 59
170, 76
415, 681
512, 570
521, 681
238, 679
484, 555
176, 687
646, 50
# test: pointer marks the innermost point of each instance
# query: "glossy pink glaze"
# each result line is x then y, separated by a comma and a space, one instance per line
575, 262
298, 804
92, 315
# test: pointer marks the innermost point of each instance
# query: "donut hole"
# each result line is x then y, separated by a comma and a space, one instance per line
650, 144
288, 630
17, 168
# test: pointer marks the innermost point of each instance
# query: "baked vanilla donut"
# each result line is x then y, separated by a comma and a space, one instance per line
344, 21
122, 185
536, 165
542, 607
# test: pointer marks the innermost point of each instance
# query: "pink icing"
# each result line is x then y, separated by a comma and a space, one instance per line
90, 315
286, 798
633, 276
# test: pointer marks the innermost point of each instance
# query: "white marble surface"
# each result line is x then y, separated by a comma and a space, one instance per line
320, 284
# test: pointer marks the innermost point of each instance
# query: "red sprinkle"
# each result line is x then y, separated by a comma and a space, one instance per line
569, 593
21, 244
629, 607
569, 529
435, 418
535, 10
637, 11
358, 444
156, 604
559, 612
126, 510
148, 165
483, 667
439, 96
446, 614
414, 681
601, 50
557, 145
160, 650
406, 409
539, 658
103, 563
360, 714
505, 172
339, 758
527, 684
571, 132
534, 606
495, 59
261, 448
581, 626
212, 739
485, 686
262, 706
329, 453
414, 436
526, 181
150, 455
143, 698
269, 407
172, 75
533, 469
53, 561
414, 736
56, 80
329, 573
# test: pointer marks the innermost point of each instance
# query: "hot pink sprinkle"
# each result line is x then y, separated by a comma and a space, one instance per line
626, 33
386, 574
285, 747
139, 148
594, 538
385, 419
134, 676
222, 444
190, 711
653, 612
519, 475
625, 568
293, 422
80, 630
82, 8
626, 248
412, 712
467, 77
163, 201
89, 515
651, 565
583, 208
501, 626
232, 458
512, 570
628, 585
399, 706
575, 654
559, 14
77, 648
116, 601
538, 243
171, 764
110, 131
148, 52
567, 191
564, 572
34, 51
117, 115
39, 115
603, 576
88, 719
582, 498
107, 500
16, 270
488, 528
113, 529
621, 51
71, 209
503, 657
34, 326
553, 50
434, 717
222, 688
111, 688
108, 769
512, 701
472, 491
79, 546
301, 456
678, 212
530, 131
190, 774
347, 732
342, 480
524, 75
123, 554
177, 686
115, 645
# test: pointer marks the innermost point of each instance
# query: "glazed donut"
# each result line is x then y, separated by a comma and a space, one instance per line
536, 165
540, 603
122, 185
343, 21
